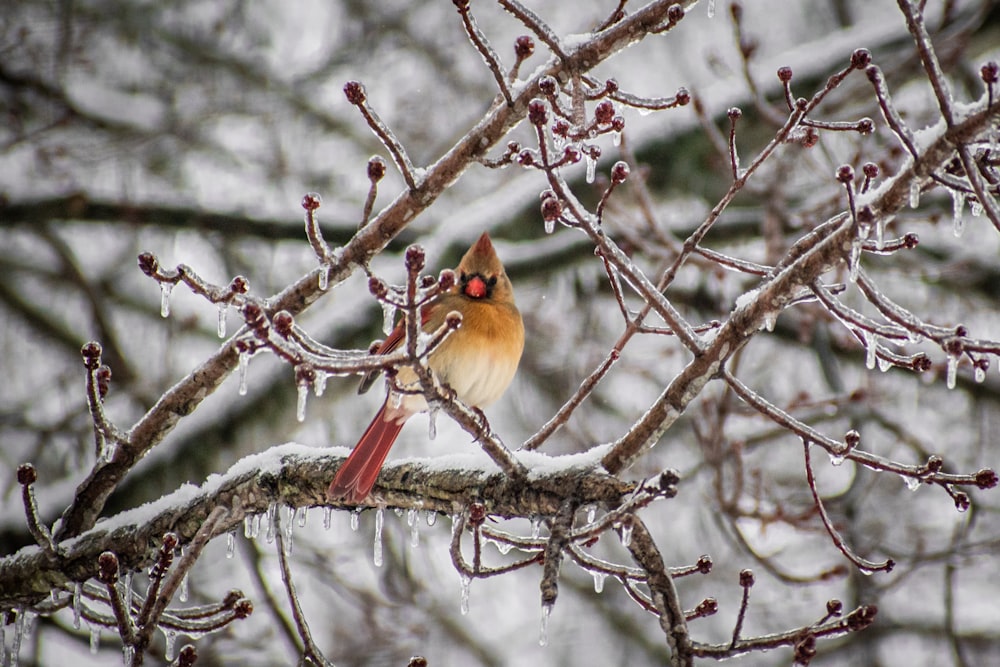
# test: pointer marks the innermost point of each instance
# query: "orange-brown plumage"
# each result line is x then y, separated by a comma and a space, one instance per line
477, 361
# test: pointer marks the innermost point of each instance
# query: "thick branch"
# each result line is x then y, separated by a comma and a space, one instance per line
297, 476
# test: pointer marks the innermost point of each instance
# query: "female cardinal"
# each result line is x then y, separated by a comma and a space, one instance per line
477, 361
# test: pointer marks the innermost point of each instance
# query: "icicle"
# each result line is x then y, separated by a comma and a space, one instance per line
165, 289
327, 517
244, 364
626, 533
536, 524
231, 543
871, 349
398, 511
543, 634
591, 167
591, 513
770, 320
976, 208
76, 605
300, 406
599, 578
15, 647
185, 589
379, 519
884, 364
432, 518
855, 261
432, 430
414, 524
355, 520
979, 373
171, 638
324, 279
711, 9
127, 580
301, 516
866, 571
128, 654
952, 372
837, 459
221, 329
914, 194
272, 510
550, 225
95, 640
616, 138
319, 384
289, 528
880, 232
255, 530
466, 585
388, 317
958, 208
110, 449
912, 483
29, 623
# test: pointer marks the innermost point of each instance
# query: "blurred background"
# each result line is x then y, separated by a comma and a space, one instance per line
192, 130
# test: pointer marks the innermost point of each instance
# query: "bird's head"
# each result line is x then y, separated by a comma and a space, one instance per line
480, 274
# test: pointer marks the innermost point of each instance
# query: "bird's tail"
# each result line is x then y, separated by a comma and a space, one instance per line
356, 476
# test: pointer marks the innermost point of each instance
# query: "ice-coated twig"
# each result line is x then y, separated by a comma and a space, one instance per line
694, 239
559, 536
943, 336
356, 95
482, 45
310, 650
163, 586
26, 477
734, 115
663, 594
863, 564
915, 24
455, 550
983, 479
376, 172
107, 574
563, 414
681, 98
231, 294
107, 436
536, 25
746, 583
979, 186
889, 112
311, 202
524, 47
859, 619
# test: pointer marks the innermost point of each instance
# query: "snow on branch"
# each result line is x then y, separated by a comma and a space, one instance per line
297, 476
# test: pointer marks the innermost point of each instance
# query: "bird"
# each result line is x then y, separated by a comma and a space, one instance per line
477, 361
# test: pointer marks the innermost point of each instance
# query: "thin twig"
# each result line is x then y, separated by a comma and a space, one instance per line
311, 650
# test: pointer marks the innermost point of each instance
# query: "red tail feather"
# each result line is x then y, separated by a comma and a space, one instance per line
356, 477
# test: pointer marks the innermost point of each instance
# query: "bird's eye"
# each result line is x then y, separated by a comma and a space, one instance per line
492, 281
464, 277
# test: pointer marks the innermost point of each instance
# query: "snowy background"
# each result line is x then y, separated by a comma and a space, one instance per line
192, 130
